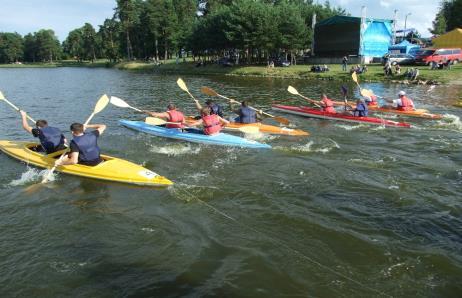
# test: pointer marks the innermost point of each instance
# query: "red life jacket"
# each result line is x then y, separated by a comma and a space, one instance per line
373, 101
328, 105
406, 104
211, 124
175, 116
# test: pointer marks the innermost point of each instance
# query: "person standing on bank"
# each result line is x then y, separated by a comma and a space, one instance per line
51, 138
84, 146
344, 63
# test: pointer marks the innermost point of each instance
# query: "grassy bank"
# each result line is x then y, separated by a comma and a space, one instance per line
375, 72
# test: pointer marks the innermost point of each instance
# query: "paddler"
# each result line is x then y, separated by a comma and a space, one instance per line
246, 114
361, 109
403, 103
326, 104
215, 108
370, 99
212, 123
84, 146
51, 138
171, 115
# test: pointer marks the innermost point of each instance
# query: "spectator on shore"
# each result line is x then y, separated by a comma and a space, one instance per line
344, 63
397, 69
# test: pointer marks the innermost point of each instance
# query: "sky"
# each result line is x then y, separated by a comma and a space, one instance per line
25, 16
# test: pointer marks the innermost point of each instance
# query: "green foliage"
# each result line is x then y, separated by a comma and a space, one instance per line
451, 11
439, 24
11, 47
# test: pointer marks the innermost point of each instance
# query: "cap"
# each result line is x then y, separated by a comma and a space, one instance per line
401, 93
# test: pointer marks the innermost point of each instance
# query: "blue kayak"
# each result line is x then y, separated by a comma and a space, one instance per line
193, 135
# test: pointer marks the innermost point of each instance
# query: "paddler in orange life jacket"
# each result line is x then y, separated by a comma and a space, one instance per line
371, 100
51, 138
171, 115
403, 103
212, 123
327, 105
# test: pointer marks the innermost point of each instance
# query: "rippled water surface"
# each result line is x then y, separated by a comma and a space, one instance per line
350, 211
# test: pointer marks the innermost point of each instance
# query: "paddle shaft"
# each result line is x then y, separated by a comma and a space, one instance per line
17, 109
310, 100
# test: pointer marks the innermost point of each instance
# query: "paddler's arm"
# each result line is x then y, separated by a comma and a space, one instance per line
25, 125
70, 159
223, 122
99, 127
198, 105
158, 115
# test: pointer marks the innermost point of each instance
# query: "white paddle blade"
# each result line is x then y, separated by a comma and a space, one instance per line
182, 85
1, 96
103, 101
118, 102
292, 90
154, 121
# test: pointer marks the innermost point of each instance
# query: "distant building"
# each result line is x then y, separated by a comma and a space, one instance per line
342, 35
452, 39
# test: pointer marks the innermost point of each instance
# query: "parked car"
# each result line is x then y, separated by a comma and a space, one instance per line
398, 59
427, 56
281, 62
226, 62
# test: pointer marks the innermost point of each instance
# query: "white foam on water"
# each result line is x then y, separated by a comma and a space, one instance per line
259, 136
63, 267
149, 230
450, 121
175, 150
308, 147
349, 127
31, 175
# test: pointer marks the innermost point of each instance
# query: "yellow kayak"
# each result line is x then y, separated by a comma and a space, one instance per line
459, 104
111, 169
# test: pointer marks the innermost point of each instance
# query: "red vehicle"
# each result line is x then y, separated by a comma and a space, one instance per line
427, 56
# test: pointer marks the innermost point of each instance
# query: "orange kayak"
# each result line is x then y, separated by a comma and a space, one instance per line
264, 128
420, 113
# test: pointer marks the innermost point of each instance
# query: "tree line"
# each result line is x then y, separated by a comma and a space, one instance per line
248, 30
449, 17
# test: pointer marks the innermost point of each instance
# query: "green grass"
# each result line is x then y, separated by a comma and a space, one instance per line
61, 63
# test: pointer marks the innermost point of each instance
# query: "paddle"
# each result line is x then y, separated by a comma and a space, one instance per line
183, 87
245, 129
100, 105
211, 92
118, 102
294, 91
13, 106
363, 92
344, 92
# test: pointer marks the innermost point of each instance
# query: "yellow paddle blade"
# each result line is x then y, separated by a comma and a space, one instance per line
249, 129
1, 96
366, 92
281, 120
182, 85
208, 91
354, 77
101, 104
154, 121
292, 90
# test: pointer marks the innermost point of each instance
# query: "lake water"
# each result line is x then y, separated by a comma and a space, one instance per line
350, 211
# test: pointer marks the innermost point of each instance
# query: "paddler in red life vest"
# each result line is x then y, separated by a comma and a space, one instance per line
403, 103
212, 123
370, 99
172, 115
327, 105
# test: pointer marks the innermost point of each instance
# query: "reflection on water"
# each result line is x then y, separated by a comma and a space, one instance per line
349, 211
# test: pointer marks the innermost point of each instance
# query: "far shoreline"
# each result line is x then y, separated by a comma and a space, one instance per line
374, 74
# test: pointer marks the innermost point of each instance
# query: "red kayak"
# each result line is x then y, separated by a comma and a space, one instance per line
315, 113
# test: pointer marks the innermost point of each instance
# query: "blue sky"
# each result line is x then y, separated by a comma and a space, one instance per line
24, 16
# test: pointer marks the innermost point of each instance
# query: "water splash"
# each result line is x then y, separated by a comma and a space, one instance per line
349, 127
449, 121
176, 150
310, 147
259, 136
30, 176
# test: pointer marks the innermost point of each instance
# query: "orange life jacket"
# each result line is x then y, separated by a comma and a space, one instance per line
328, 105
175, 116
373, 101
211, 124
406, 104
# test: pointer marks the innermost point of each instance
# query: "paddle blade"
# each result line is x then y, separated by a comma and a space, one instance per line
1, 96
249, 129
103, 101
354, 77
182, 85
118, 102
154, 121
208, 91
292, 90
366, 92
282, 120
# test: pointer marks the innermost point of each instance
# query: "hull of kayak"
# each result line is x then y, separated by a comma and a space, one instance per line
112, 169
195, 136
264, 128
309, 112
419, 113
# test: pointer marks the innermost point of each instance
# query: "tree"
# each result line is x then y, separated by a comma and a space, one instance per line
73, 45
11, 47
30, 48
127, 13
48, 46
89, 42
109, 34
439, 24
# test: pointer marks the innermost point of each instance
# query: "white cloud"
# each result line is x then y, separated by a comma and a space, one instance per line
384, 4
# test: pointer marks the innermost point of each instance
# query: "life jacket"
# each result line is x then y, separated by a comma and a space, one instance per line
175, 116
328, 105
50, 138
211, 124
406, 104
88, 147
247, 115
361, 110
373, 101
